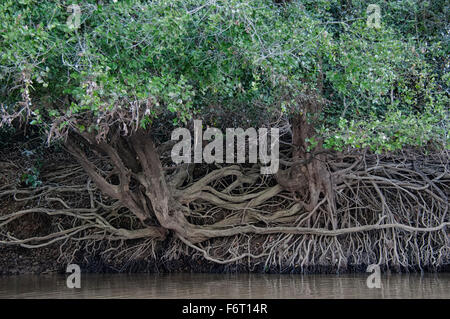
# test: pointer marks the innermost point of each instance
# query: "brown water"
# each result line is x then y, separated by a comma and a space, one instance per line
226, 286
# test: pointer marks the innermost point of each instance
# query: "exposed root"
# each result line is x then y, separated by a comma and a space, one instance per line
389, 210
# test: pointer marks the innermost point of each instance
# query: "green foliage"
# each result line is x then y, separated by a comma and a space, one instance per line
232, 63
32, 176
395, 131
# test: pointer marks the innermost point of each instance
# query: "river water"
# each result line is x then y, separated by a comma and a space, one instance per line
226, 286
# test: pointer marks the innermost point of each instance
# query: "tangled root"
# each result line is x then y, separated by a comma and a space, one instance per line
390, 210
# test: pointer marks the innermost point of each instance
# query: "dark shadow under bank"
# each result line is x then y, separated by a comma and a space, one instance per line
18, 260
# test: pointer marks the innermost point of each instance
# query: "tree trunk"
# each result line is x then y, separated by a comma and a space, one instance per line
309, 175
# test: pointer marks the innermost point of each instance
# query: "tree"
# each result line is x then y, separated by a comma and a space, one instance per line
110, 87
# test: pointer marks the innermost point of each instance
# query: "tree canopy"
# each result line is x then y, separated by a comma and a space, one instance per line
138, 63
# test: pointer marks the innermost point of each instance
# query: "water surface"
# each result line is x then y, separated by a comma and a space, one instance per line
226, 286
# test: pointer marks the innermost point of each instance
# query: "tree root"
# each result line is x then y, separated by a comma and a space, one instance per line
389, 210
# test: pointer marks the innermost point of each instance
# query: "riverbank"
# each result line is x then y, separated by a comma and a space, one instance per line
19, 261
40, 193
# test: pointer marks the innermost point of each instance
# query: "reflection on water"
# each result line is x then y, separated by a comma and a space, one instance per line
226, 286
